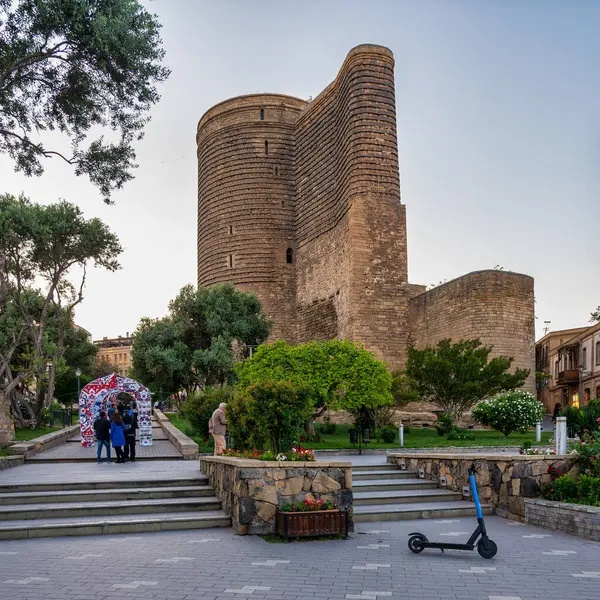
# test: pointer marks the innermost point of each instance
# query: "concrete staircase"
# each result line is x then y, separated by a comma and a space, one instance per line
385, 493
107, 507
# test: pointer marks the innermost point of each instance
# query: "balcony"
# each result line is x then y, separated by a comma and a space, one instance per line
568, 376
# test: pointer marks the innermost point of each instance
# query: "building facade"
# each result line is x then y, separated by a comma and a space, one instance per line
570, 362
115, 352
299, 202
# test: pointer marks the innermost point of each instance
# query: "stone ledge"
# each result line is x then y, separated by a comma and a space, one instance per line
274, 464
575, 519
502, 456
185, 445
44, 442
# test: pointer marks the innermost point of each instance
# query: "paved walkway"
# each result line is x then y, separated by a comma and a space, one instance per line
74, 472
375, 564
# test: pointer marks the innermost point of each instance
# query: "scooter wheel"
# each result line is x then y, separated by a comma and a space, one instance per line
487, 550
416, 543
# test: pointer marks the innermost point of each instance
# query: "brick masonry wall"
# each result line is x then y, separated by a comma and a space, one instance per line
494, 306
246, 196
350, 224
583, 521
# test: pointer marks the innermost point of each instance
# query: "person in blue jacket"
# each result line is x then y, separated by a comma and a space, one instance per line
117, 436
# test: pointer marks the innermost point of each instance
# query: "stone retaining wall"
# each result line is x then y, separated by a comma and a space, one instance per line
251, 491
185, 445
575, 519
6, 462
44, 442
502, 480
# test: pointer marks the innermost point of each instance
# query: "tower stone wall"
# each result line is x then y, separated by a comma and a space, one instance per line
299, 202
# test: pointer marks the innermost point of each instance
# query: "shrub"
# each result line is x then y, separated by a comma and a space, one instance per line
388, 434
588, 450
561, 489
589, 416
573, 415
199, 407
278, 411
588, 490
241, 424
444, 424
515, 410
460, 434
328, 428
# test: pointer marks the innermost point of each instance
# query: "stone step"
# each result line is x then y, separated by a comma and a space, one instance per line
418, 510
134, 523
375, 467
382, 485
104, 485
118, 507
39, 458
379, 474
410, 496
187, 491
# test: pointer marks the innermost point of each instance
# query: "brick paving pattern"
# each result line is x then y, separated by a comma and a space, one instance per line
217, 565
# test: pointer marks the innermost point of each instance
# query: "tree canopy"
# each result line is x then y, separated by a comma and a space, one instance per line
194, 345
40, 246
74, 66
595, 316
455, 376
339, 374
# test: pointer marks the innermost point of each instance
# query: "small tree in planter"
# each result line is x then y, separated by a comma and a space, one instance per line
515, 410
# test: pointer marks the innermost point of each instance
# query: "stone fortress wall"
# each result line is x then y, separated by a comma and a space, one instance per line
299, 202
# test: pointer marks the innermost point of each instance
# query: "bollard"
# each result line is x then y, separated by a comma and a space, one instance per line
561, 435
401, 434
538, 432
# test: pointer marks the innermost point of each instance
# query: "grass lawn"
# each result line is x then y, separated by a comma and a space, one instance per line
427, 438
4, 452
29, 434
184, 425
417, 438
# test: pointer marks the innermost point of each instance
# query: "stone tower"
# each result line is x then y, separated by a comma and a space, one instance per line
299, 202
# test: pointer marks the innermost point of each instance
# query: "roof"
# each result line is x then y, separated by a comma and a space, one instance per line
581, 335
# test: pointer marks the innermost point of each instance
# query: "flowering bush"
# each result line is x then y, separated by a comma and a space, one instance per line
515, 410
588, 450
296, 454
308, 505
537, 451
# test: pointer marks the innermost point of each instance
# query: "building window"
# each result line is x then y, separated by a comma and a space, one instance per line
598, 353
556, 369
276, 171
283, 204
230, 260
598, 393
266, 148
584, 358
262, 114
587, 395
289, 256
231, 230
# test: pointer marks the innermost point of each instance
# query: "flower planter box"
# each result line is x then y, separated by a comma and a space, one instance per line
316, 523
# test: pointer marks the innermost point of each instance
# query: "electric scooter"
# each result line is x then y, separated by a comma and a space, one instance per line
486, 547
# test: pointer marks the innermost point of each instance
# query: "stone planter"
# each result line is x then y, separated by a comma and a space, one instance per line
318, 523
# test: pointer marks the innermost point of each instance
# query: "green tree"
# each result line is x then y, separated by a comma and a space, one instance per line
270, 413
338, 374
595, 316
514, 410
40, 245
455, 376
194, 346
71, 66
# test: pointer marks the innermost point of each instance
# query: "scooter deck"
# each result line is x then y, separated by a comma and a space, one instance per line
445, 546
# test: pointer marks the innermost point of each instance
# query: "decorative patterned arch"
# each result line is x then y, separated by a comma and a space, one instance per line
97, 395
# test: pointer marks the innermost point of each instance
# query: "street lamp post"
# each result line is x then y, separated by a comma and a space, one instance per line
78, 373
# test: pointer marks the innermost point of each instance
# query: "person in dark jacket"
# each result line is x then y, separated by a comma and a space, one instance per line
117, 435
102, 430
131, 426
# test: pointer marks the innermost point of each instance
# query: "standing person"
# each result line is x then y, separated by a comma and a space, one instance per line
130, 422
556, 412
217, 426
111, 411
121, 407
102, 430
117, 435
